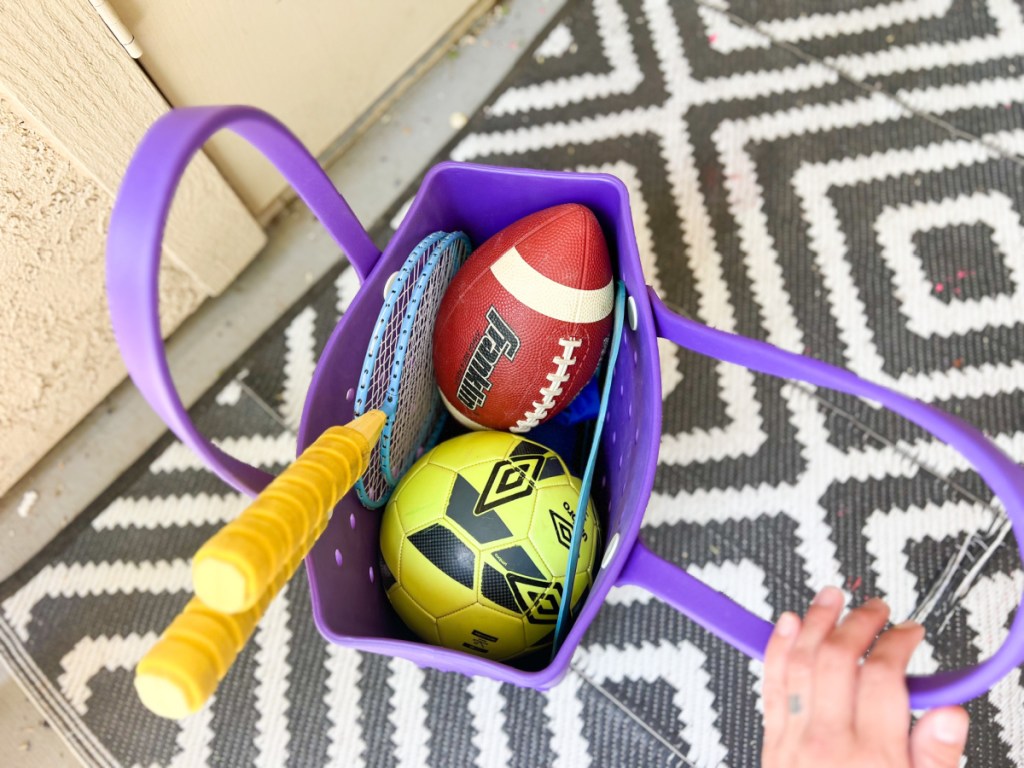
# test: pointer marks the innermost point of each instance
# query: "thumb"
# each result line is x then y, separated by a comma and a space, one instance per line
938, 739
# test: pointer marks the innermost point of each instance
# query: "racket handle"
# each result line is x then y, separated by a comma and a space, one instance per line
234, 568
180, 672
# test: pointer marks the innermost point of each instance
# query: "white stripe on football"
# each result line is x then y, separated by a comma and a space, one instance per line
542, 294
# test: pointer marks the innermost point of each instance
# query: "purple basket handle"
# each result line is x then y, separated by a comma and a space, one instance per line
738, 626
136, 233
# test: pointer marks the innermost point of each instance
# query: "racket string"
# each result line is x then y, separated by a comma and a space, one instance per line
398, 376
375, 485
417, 390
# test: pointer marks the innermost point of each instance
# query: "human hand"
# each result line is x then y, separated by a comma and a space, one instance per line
823, 708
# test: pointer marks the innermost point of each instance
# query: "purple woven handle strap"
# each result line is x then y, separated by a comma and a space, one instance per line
136, 233
746, 631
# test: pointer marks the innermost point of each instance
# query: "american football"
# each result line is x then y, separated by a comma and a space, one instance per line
475, 544
523, 325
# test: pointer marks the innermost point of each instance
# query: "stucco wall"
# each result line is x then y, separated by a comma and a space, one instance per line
58, 355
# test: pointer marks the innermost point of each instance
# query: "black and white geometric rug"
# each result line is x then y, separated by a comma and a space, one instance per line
845, 180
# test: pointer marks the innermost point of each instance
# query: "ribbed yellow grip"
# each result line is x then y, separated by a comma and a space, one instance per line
182, 669
255, 555
234, 568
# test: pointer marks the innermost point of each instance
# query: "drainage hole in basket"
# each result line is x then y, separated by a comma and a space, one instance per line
636, 358
338, 557
636, 436
371, 574
629, 411
352, 521
350, 394
613, 437
604, 481
620, 461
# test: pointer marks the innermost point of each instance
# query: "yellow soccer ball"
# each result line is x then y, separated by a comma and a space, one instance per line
475, 544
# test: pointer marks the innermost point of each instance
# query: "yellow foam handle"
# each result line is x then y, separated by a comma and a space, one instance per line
183, 668
235, 567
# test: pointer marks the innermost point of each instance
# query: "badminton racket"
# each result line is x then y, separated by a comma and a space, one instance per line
398, 371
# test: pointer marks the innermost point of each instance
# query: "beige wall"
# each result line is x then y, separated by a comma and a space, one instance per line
52, 239
317, 65
73, 107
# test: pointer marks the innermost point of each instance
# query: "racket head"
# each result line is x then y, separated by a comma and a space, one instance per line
398, 369
412, 386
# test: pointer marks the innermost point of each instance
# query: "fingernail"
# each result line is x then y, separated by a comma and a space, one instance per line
787, 625
828, 597
951, 727
908, 625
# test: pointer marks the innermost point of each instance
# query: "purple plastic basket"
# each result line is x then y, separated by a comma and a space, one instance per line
349, 605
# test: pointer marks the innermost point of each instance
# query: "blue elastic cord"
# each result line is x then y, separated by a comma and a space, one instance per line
565, 609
